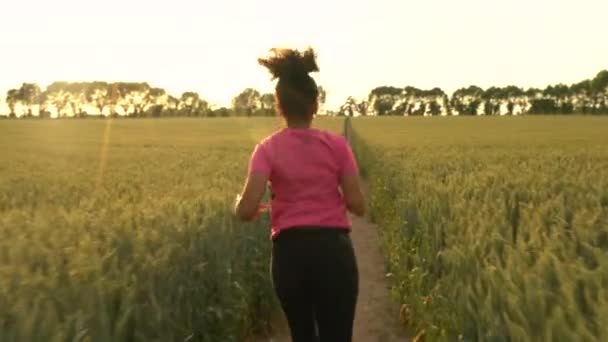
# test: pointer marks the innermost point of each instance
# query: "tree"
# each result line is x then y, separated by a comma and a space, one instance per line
29, 94
156, 101
432, 98
349, 108
362, 108
561, 92
543, 106
268, 104
139, 99
412, 100
434, 108
77, 98
554, 100
60, 94
113, 98
599, 84
582, 94
204, 108
599, 91
172, 106
43, 112
420, 110
131, 95
60, 100
467, 100
383, 99
190, 103
510, 95
96, 94
322, 98
247, 102
492, 98
221, 112
12, 98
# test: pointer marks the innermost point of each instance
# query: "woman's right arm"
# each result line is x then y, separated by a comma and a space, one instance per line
350, 182
353, 194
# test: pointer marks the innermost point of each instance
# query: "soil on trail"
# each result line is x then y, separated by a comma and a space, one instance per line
377, 317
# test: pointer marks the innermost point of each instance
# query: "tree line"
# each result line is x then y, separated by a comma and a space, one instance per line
123, 99
586, 97
128, 99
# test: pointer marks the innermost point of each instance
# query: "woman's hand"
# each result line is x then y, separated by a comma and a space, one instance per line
263, 208
247, 205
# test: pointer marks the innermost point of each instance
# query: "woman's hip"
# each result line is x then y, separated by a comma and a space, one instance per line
313, 250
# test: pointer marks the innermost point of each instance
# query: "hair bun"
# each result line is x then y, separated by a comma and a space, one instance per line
290, 63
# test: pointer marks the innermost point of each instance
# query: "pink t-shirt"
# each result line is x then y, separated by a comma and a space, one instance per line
304, 167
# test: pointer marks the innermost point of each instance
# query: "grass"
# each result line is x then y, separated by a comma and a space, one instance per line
495, 229
120, 230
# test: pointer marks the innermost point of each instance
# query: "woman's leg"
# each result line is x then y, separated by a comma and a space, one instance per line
293, 290
336, 291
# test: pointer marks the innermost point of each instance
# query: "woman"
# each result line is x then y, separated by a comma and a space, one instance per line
314, 180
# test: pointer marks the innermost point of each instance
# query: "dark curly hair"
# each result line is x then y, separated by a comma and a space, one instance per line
296, 91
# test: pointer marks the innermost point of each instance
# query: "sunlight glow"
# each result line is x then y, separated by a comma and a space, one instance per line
211, 46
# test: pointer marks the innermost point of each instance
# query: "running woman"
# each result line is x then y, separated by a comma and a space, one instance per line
314, 181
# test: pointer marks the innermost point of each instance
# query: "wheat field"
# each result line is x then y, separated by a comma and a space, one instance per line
495, 229
120, 230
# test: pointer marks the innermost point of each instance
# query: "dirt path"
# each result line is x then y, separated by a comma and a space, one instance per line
376, 317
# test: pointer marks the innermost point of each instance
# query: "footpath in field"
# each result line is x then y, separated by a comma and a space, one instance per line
377, 317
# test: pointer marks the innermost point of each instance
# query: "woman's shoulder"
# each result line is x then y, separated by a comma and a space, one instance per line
284, 134
335, 138
271, 137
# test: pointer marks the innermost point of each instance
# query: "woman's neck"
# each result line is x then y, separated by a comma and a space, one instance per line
299, 125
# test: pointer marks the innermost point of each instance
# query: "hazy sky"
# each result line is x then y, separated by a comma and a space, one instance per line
212, 46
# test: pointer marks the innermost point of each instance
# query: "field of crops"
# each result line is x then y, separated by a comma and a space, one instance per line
120, 230
495, 229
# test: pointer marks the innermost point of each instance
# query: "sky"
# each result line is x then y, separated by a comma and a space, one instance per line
212, 46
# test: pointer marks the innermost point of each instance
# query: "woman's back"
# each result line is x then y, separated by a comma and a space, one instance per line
305, 167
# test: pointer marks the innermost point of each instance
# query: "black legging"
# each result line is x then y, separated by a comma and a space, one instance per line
315, 276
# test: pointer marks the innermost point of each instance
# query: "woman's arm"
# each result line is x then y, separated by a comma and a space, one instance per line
350, 182
353, 194
247, 206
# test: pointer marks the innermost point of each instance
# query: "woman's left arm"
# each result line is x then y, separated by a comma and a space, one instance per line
247, 206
